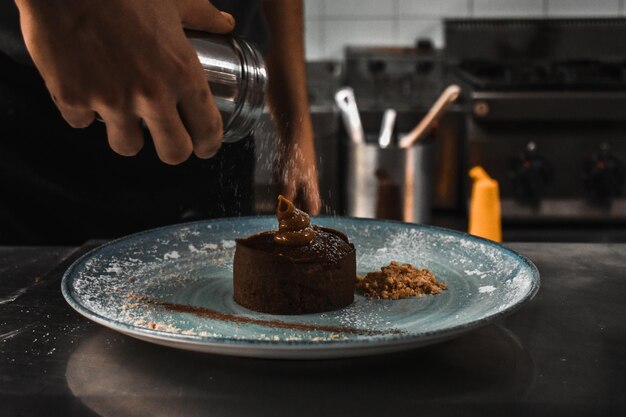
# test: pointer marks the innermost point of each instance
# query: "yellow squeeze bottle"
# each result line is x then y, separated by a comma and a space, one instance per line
484, 215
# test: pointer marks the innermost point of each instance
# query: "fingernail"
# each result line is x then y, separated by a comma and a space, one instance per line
229, 17
204, 154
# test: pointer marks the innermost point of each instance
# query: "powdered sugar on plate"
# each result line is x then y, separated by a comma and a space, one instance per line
192, 265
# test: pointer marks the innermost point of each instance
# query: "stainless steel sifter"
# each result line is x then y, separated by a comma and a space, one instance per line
237, 78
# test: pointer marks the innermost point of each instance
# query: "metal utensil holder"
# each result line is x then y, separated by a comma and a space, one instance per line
389, 183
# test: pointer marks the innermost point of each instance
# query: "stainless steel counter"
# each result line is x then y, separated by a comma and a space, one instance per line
562, 354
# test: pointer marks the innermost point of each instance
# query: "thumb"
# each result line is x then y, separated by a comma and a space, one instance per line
312, 199
287, 187
202, 15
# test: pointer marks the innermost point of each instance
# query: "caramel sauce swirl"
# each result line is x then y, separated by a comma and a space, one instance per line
294, 226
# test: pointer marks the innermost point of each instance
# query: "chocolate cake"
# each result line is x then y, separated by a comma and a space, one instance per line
298, 269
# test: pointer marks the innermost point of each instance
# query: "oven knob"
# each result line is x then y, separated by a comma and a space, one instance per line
530, 175
604, 175
481, 108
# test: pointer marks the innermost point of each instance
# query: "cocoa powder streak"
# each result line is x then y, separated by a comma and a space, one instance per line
235, 318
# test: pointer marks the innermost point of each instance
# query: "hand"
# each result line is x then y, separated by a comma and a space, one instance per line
296, 173
127, 61
295, 169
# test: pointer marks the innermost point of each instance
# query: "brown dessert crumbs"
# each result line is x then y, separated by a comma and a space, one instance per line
397, 281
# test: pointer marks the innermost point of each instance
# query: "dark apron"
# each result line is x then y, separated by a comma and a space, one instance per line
61, 186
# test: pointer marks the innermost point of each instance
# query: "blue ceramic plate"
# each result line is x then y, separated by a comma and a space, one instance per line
131, 284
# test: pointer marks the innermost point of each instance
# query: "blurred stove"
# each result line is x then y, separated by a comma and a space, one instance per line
573, 75
395, 77
546, 113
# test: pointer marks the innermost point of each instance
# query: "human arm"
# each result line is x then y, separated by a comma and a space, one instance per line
128, 61
288, 101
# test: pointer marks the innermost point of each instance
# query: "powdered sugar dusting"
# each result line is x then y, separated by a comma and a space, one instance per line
114, 268
228, 244
171, 255
192, 265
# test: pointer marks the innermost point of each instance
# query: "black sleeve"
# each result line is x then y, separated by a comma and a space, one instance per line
11, 41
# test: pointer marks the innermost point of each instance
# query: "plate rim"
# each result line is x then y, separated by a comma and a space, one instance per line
284, 345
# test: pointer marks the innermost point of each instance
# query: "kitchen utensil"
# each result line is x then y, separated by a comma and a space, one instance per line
237, 77
191, 264
386, 128
390, 183
442, 104
350, 113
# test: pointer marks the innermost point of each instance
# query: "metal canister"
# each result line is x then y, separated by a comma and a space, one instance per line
389, 183
237, 78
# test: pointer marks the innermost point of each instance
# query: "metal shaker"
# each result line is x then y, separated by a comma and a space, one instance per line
237, 78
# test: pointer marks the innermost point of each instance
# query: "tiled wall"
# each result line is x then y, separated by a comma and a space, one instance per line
332, 24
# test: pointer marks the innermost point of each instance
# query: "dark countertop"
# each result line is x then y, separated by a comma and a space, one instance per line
562, 354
